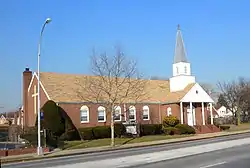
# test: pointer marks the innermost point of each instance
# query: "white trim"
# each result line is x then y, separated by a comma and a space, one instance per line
181, 107
211, 113
197, 94
132, 108
146, 108
169, 111
203, 113
103, 109
32, 79
120, 112
84, 107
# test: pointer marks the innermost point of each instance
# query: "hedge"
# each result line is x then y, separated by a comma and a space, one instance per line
99, 132
89, 133
171, 131
185, 129
151, 129
224, 127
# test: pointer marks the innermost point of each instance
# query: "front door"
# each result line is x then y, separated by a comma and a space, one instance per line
190, 117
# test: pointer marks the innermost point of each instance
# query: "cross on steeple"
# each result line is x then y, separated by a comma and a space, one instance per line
178, 27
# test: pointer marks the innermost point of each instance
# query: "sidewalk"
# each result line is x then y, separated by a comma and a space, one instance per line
59, 153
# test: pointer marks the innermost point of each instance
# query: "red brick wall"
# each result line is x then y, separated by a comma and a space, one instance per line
27, 75
175, 108
23, 151
73, 111
28, 100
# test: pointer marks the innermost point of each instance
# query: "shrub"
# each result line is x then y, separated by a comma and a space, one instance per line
151, 129
185, 129
224, 127
30, 134
87, 133
4, 128
171, 131
119, 130
170, 121
53, 119
102, 132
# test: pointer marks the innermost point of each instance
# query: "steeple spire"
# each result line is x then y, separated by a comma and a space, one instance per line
180, 53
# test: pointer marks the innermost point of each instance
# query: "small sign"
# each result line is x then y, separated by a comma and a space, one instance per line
42, 116
131, 129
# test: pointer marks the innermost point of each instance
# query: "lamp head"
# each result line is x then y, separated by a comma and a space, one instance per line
48, 20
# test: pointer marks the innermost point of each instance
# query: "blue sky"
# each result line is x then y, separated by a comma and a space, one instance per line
216, 36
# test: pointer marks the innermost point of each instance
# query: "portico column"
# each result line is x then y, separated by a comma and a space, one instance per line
211, 113
193, 113
203, 115
181, 109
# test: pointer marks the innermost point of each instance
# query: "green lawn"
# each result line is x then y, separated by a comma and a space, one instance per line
118, 141
241, 127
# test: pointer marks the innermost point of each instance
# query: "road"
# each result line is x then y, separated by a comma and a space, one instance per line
229, 158
154, 154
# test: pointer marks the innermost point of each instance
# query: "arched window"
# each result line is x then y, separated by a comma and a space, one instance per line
169, 111
117, 113
101, 113
145, 113
132, 113
185, 69
84, 114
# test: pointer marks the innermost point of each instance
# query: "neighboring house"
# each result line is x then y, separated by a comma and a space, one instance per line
3, 120
222, 111
180, 96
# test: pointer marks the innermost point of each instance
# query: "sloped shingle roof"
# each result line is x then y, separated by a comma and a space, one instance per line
62, 88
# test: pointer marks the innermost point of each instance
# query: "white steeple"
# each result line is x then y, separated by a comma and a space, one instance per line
181, 67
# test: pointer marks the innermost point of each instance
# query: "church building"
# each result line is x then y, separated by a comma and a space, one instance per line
180, 96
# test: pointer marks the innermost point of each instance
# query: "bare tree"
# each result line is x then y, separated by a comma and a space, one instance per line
211, 90
235, 95
115, 81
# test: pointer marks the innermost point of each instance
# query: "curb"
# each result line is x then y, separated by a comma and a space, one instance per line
35, 158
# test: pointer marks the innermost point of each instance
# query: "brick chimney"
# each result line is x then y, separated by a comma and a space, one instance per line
27, 76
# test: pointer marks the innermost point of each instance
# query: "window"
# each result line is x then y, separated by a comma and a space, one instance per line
132, 113
185, 69
169, 111
84, 114
177, 70
118, 112
208, 106
145, 113
101, 114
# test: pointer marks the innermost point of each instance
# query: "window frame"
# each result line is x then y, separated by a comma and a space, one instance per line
169, 111
145, 108
120, 112
84, 109
101, 109
134, 111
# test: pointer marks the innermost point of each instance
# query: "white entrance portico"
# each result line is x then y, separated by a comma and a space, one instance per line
196, 95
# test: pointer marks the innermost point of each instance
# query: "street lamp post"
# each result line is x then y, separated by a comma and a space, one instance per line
39, 148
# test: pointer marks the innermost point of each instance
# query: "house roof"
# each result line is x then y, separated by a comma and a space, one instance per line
62, 88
